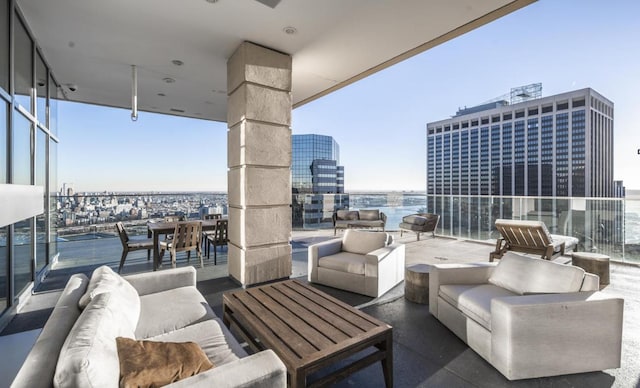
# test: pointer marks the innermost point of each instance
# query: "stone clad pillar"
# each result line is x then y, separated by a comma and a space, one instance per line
259, 161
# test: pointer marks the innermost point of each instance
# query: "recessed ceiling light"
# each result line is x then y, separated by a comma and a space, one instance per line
161, 94
72, 44
290, 30
212, 1
177, 62
169, 80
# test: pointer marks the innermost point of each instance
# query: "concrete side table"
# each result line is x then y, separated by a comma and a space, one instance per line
416, 283
594, 263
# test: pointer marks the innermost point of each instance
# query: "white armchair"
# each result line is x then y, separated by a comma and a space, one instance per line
364, 262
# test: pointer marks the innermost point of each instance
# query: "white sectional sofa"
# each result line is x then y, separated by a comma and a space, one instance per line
364, 262
77, 346
529, 317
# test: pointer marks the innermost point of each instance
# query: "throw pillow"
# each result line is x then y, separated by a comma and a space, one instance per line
155, 364
104, 280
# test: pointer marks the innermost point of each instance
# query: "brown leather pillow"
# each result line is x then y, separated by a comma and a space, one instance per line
154, 364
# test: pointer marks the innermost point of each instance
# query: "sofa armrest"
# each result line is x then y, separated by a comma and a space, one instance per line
264, 370
554, 334
469, 273
316, 251
383, 217
152, 282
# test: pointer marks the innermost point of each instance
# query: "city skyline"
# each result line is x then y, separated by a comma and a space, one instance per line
565, 45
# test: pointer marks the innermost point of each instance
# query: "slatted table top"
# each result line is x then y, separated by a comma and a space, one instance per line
307, 328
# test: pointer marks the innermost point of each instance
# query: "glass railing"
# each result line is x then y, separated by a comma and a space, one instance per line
605, 225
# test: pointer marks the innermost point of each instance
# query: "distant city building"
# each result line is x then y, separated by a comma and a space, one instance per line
558, 146
317, 180
485, 161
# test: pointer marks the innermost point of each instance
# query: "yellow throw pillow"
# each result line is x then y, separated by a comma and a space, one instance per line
154, 364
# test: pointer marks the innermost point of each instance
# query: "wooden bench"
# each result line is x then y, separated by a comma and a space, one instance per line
530, 237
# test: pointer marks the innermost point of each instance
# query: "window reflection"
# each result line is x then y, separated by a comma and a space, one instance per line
41, 90
21, 255
3, 141
4, 45
3, 269
23, 65
21, 141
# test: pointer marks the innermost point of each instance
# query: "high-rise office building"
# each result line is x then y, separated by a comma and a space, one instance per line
317, 180
557, 146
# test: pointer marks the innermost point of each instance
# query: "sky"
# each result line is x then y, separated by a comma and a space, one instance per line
379, 122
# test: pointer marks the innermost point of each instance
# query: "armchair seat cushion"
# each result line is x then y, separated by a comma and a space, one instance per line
414, 220
344, 262
474, 300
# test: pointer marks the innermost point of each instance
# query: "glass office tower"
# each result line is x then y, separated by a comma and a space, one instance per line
317, 180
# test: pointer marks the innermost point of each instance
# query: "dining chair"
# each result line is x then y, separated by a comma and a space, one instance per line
217, 237
186, 237
205, 233
129, 245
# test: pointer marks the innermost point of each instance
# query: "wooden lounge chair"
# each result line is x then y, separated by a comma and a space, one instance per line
530, 237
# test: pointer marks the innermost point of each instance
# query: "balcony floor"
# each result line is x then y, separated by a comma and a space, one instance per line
426, 353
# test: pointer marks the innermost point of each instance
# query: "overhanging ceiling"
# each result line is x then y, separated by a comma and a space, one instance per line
92, 44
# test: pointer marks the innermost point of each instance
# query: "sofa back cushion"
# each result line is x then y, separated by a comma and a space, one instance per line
524, 275
414, 219
89, 356
347, 215
370, 215
363, 242
104, 280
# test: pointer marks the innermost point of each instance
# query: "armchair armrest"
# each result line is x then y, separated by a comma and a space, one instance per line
152, 282
316, 251
262, 369
554, 334
470, 273
373, 258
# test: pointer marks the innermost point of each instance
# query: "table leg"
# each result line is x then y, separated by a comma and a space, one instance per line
387, 362
298, 379
156, 256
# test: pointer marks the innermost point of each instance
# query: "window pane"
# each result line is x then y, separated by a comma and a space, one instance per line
23, 66
41, 180
41, 158
22, 255
55, 95
3, 269
21, 163
3, 141
4, 44
53, 189
41, 90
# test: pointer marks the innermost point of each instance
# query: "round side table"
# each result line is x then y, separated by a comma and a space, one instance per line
594, 263
416, 283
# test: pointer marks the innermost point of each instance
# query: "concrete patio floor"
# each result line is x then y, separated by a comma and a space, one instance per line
426, 353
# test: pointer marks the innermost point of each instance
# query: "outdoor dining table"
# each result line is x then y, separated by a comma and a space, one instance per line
155, 229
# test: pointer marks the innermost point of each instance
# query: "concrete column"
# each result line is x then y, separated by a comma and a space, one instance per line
259, 161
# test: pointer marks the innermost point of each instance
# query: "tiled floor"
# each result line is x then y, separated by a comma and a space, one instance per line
426, 354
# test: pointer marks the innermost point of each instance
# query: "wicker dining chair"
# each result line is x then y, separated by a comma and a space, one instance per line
129, 245
217, 237
186, 237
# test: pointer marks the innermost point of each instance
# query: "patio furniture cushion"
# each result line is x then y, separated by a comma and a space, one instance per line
344, 262
362, 242
474, 300
569, 241
89, 356
150, 363
370, 215
104, 279
414, 220
166, 311
524, 275
347, 215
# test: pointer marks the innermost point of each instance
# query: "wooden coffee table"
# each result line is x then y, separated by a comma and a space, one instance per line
309, 330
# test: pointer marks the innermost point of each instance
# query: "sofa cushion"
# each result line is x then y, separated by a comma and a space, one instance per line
344, 262
473, 300
155, 364
89, 356
524, 275
367, 223
414, 219
170, 310
347, 215
103, 280
369, 215
209, 335
363, 242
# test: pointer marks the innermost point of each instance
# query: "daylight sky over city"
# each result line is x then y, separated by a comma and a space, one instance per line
380, 121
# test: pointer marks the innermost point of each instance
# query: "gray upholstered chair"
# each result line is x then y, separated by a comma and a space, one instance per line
364, 262
420, 223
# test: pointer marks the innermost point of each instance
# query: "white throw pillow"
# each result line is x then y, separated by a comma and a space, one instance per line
524, 275
89, 356
104, 280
